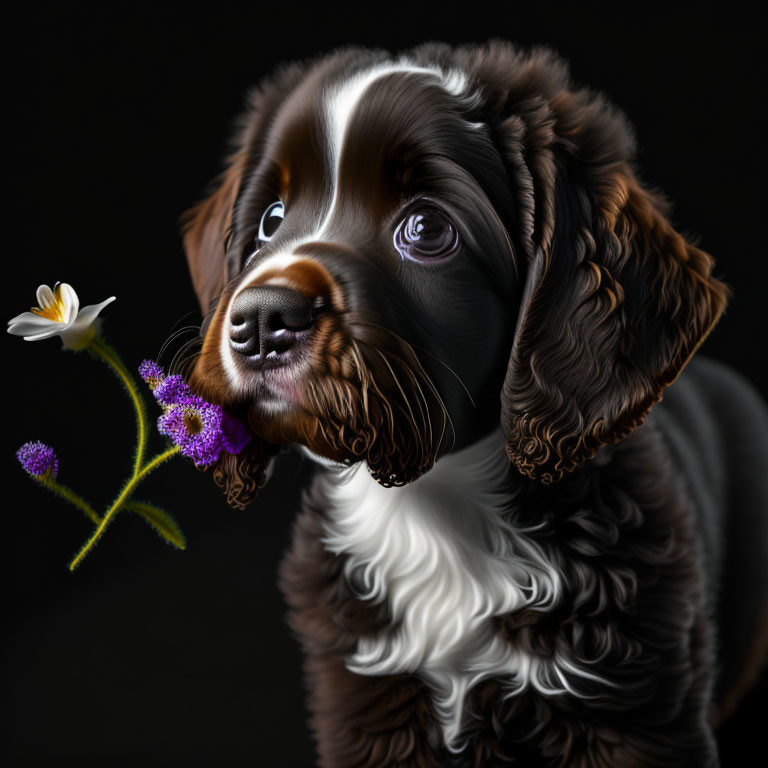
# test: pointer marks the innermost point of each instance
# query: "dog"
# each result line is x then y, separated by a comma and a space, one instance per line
439, 275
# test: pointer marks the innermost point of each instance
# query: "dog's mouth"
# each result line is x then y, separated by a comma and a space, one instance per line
277, 392
370, 401
355, 392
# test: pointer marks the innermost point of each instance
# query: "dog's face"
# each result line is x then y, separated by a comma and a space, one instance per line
403, 252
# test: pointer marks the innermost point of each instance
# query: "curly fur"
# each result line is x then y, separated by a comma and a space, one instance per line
626, 606
561, 612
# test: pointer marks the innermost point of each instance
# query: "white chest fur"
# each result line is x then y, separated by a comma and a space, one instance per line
446, 559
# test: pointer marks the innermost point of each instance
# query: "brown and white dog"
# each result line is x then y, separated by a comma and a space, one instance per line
438, 274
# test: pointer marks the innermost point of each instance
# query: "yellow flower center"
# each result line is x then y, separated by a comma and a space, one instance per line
55, 310
192, 423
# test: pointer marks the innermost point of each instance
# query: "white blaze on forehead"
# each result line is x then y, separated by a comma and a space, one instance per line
341, 103
277, 262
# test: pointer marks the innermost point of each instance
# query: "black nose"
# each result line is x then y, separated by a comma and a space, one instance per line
267, 321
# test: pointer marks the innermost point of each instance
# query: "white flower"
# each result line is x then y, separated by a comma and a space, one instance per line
59, 314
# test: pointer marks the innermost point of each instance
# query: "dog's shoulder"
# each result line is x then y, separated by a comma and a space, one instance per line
721, 385
716, 423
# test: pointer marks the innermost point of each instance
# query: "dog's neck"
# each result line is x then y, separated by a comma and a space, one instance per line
446, 556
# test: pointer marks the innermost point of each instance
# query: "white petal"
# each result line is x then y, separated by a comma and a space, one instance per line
31, 319
24, 329
46, 334
92, 311
71, 303
45, 296
79, 333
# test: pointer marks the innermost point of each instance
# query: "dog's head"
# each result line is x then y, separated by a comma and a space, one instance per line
404, 251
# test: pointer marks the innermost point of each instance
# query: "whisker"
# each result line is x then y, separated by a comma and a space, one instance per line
425, 416
402, 392
175, 335
184, 366
182, 350
370, 383
414, 347
447, 421
181, 320
424, 376
458, 378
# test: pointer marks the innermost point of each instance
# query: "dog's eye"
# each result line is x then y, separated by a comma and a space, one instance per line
271, 219
426, 234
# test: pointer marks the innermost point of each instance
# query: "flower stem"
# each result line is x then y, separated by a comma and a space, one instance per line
69, 495
107, 354
128, 489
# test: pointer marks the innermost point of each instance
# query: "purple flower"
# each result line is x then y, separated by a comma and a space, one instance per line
173, 390
168, 390
195, 426
201, 430
38, 459
151, 372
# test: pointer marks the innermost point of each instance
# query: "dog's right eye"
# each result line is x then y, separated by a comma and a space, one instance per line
271, 219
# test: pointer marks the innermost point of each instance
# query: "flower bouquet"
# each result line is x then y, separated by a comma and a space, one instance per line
199, 430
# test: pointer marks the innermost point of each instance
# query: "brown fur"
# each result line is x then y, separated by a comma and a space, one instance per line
629, 305
614, 303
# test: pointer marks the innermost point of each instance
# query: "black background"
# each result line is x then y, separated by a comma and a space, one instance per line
120, 115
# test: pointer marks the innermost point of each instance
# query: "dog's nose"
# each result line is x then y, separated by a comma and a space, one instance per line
267, 320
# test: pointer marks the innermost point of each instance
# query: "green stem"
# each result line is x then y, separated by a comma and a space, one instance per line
69, 495
156, 518
107, 354
124, 494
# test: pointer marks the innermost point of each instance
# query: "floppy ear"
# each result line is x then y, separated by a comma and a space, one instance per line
615, 303
205, 226
204, 231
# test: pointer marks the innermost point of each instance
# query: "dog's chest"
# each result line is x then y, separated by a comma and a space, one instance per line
443, 556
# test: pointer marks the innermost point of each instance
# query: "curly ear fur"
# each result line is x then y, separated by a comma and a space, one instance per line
616, 301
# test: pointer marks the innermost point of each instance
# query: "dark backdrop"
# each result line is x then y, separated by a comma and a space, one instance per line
148, 656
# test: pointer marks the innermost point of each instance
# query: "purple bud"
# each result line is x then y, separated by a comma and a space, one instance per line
151, 372
172, 390
38, 459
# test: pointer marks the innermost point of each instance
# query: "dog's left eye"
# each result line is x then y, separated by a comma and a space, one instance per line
426, 234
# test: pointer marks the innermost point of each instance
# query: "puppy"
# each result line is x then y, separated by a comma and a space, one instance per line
439, 275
